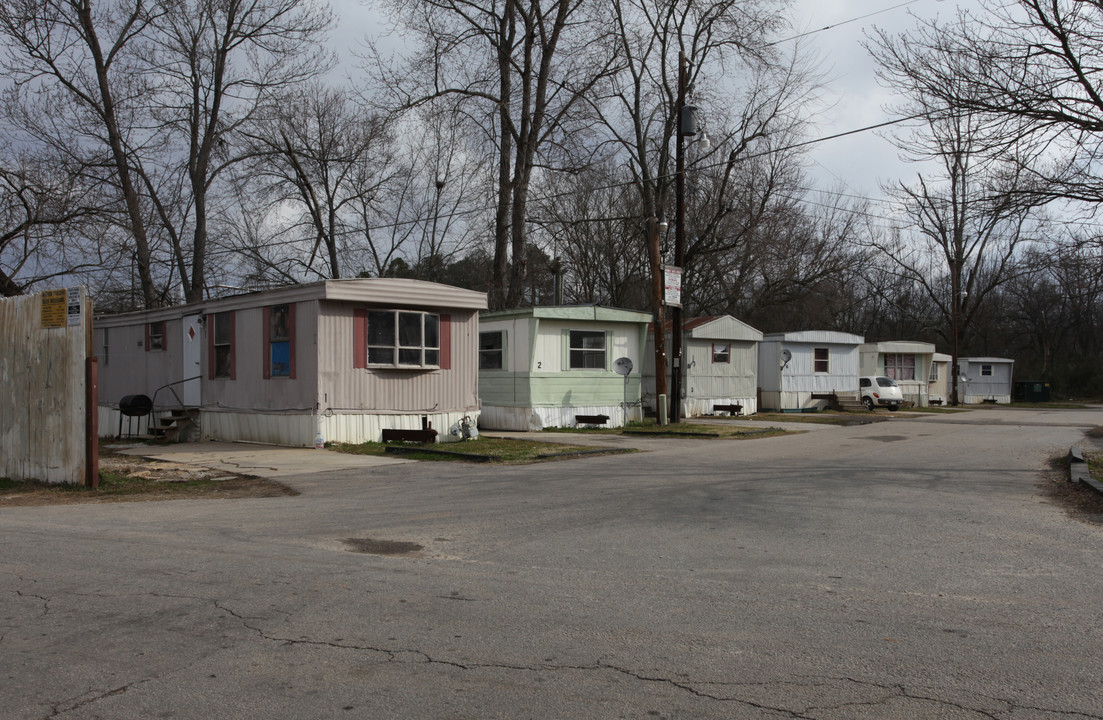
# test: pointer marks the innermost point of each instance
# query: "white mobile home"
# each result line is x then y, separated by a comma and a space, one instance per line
721, 365
344, 358
987, 379
796, 369
908, 363
546, 366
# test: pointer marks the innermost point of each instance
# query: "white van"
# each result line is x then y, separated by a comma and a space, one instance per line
880, 391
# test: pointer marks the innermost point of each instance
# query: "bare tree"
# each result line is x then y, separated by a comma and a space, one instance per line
1032, 65
218, 63
518, 70
976, 216
43, 205
78, 80
319, 157
149, 94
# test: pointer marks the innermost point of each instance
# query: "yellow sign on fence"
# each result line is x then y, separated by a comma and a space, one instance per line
61, 308
54, 307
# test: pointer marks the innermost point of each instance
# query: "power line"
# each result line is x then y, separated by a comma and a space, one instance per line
844, 22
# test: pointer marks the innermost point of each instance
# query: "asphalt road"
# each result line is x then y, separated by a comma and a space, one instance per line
907, 569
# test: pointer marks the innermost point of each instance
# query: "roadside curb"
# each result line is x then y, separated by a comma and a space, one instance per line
1078, 470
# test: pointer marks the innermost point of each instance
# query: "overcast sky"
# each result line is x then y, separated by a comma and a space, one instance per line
860, 162
863, 161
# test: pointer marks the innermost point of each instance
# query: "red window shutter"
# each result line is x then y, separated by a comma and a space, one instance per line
209, 328
359, 338
291, 337
266, 344
233, 344
445, 342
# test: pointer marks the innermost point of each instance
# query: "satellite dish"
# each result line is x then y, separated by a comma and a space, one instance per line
786, 356
622, 366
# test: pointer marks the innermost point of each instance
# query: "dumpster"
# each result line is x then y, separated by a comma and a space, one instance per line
1031, 391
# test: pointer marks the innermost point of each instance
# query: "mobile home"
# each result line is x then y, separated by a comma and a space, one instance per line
340, 359
549, 366
797, 370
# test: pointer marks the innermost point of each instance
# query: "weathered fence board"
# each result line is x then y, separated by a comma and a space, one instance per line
43, 346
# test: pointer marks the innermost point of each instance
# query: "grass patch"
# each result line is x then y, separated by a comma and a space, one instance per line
132, 479
498, 450
1079, 502
934, 409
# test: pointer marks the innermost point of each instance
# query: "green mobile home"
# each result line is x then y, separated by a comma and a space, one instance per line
546, 366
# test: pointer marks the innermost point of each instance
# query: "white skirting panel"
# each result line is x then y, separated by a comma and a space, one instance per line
349, 428
792, 400
531, 419
978, 399
696, 407
293, 430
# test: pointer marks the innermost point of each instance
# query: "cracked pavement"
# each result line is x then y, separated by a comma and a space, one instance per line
845, 573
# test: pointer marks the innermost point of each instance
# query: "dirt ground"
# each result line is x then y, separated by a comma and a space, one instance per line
162, 481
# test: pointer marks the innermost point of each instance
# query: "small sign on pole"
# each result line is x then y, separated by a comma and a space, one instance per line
672, 285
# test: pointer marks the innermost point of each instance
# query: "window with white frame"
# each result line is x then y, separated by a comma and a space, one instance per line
587, 351
936, 372
403, 338
492, 350
821, 360
721, 352
900, 366
986, 370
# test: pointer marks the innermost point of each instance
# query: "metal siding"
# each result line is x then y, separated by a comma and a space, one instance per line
706, 379
42, 419
249, 389
725, 327
799, 376
343, 388
131, 370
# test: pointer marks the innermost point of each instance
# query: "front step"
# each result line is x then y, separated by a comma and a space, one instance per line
173, 428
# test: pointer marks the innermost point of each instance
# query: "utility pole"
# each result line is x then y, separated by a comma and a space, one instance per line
955, 311
661, 398
686, 119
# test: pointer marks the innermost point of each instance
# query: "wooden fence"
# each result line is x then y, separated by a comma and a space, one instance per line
46, 380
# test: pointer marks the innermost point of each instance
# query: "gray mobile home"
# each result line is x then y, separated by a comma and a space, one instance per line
987, 379
721, 365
